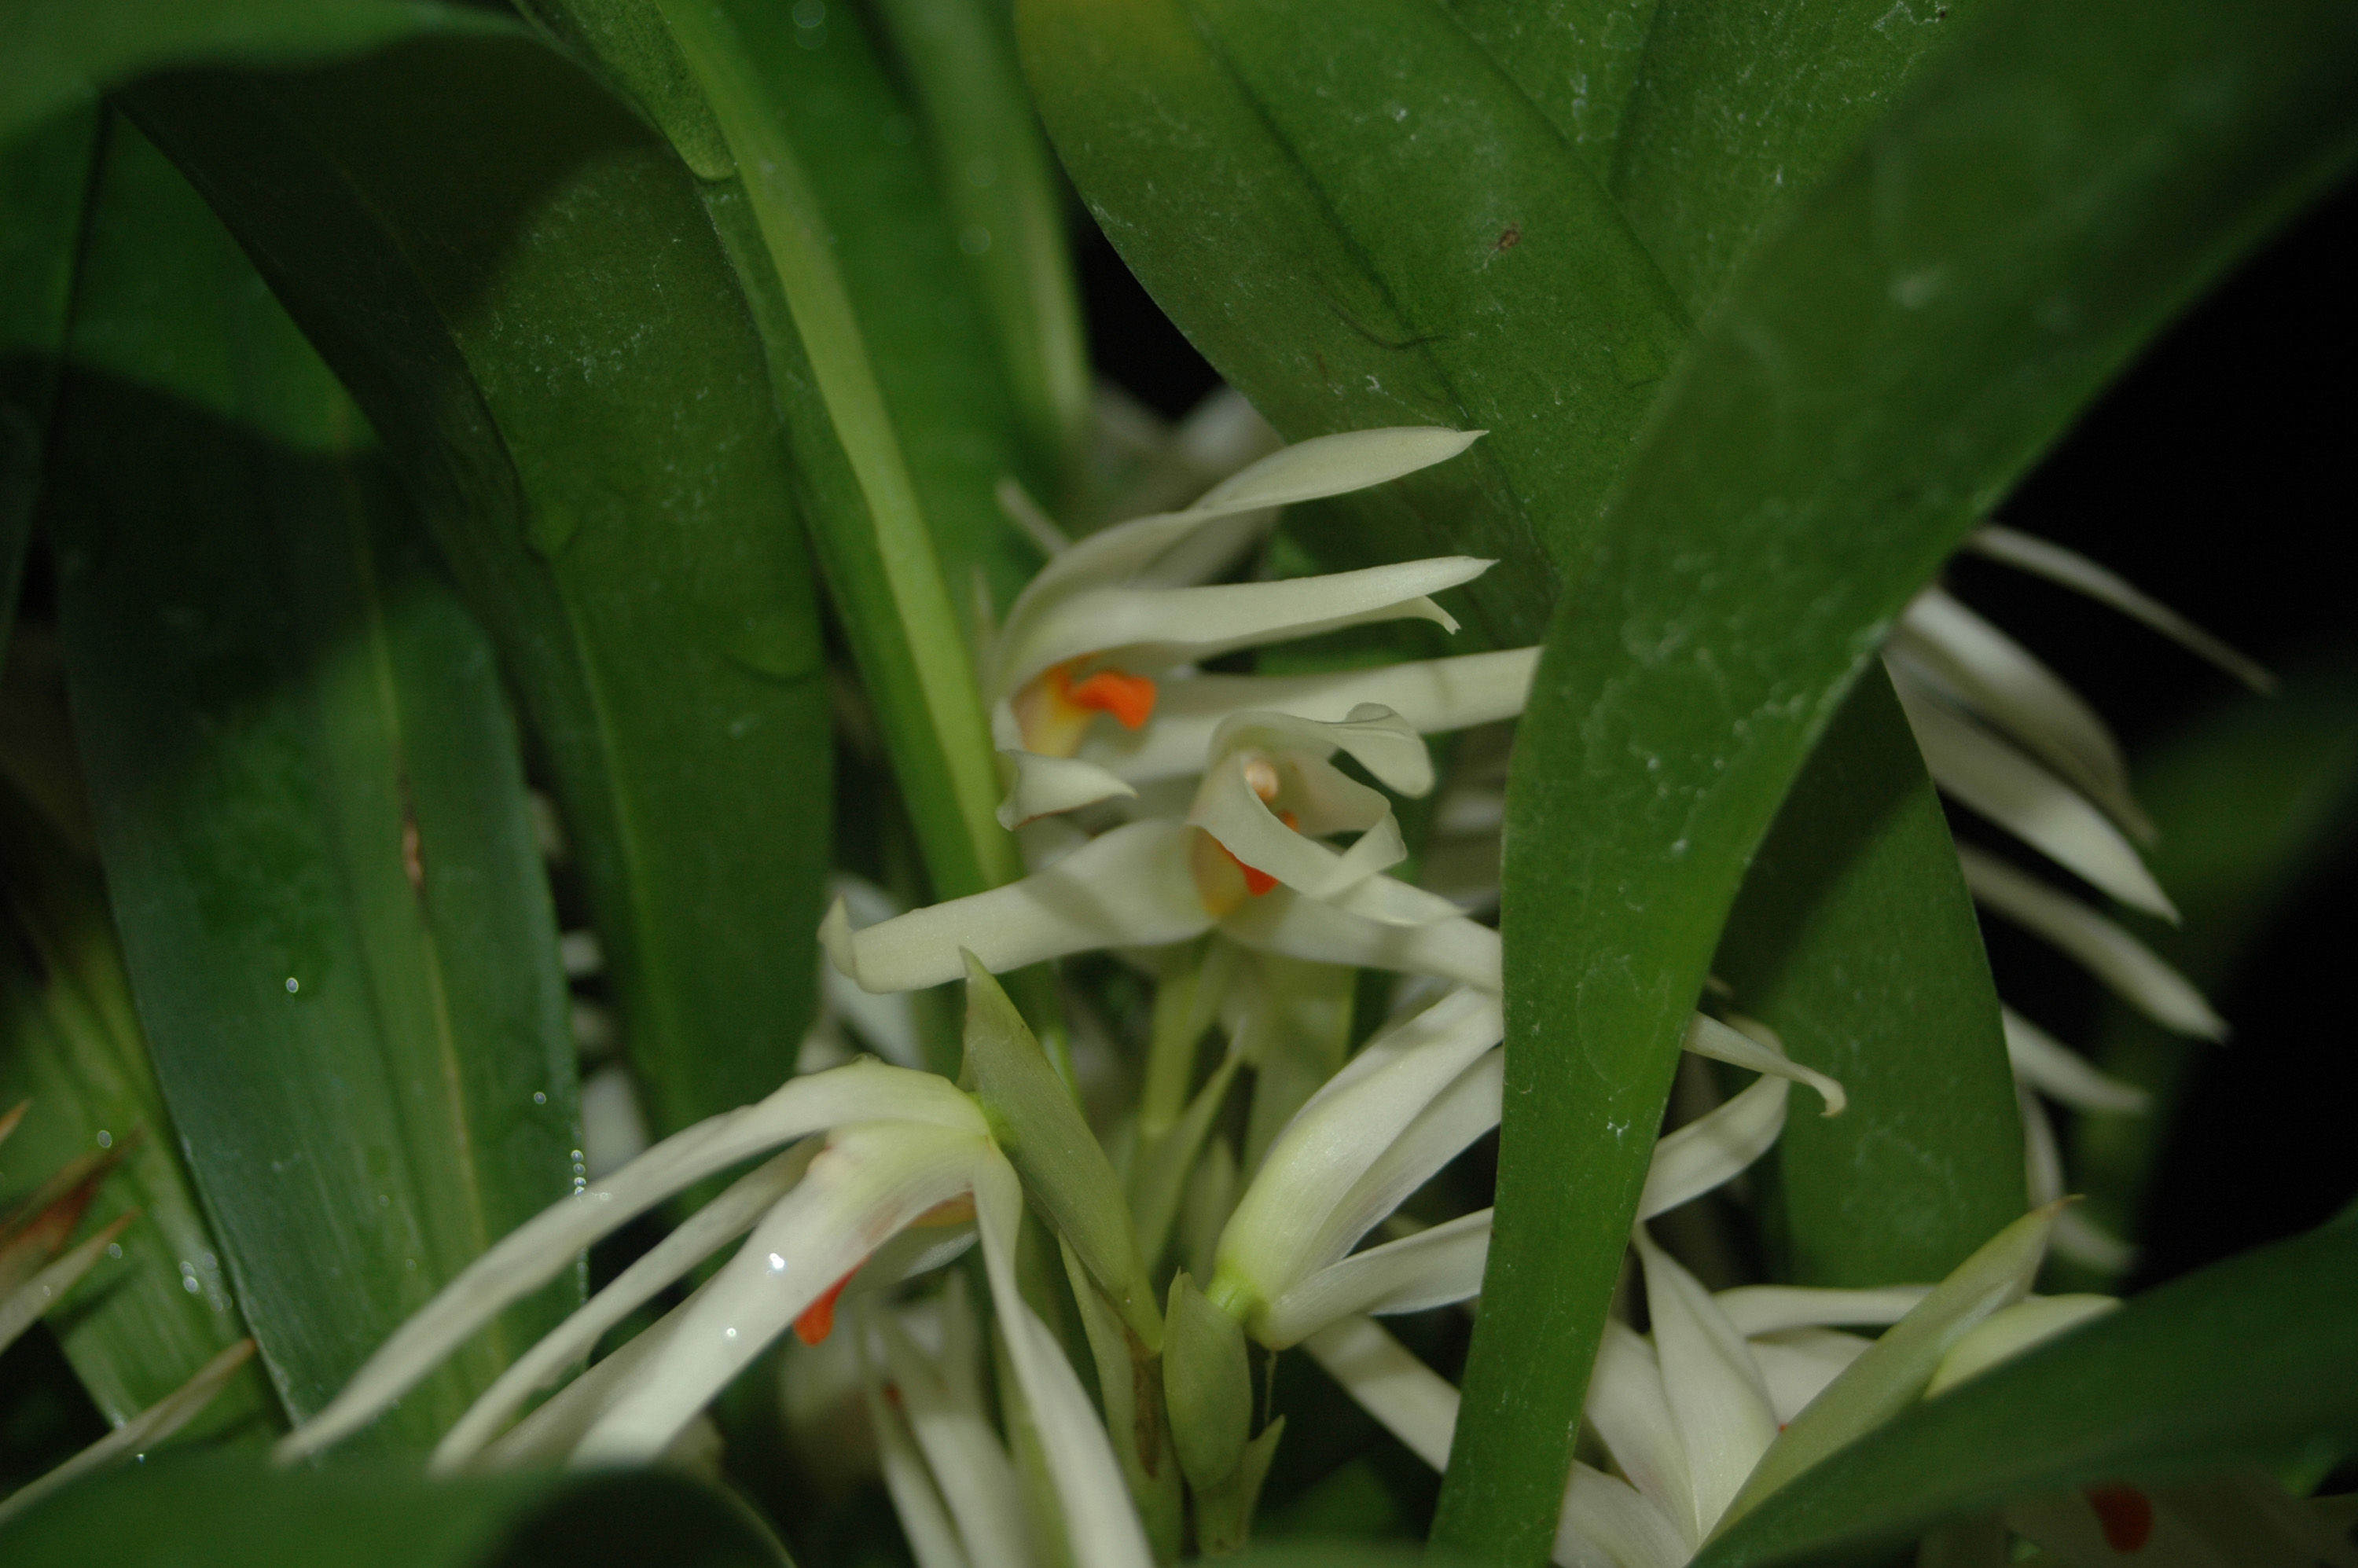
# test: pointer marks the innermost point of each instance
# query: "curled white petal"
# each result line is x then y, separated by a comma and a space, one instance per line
1431, 1269
1717, 1398
2031, 803
1129, 887
2028, 553
2006, 1333
1769, 1309
533, 1254
1714, 1149
1709, 1037
1337, 465
1458, 1115
1044, 786
1415, 1404
2127, 967
2045, 1065
1283, 921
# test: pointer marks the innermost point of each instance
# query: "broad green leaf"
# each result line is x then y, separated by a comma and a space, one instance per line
994, 170
226, 1511
2062, 182
519, 283
2254, 802
146, 1319
310, 808
1577, 60
1361, 221
1854, 937
54, 53
42, 181
2252, 1360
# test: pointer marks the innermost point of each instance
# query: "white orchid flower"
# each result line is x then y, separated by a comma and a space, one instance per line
906, 1159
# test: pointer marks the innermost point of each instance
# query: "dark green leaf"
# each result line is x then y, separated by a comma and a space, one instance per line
53, 53
1361, 221
1577, 60
520, 285
71, 1045
220, 1512
42, 181
310, 807
1855, 938
2256, 1358
2060, 183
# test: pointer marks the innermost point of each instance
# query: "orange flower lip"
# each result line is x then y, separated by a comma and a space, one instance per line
1129, 697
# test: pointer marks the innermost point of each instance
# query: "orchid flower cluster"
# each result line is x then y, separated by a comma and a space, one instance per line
1214, 830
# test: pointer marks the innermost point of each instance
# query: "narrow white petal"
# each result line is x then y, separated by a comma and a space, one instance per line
1714, 1149
1152, 629
1044, 786
1608, 1523
2075, 571
1716, 1395
1099, 1522
2127, 967
2005, 1335
963, 1453
1799, 1363
2091, 1246
1015, 505
1627, 1408
1227, 808
870, 1180
1709, 1037
1284, 921
707, 1230
2031, 803
25, 1306
924, 1518
1432, 694
141, 1432
2042, 1157
1129, 887
1286, 1215
2042, 1062
1337, 465
1376, 737
1413, 1402
1769, 1309
533, 1254
1458, 1115
545, 1437
1431, 1269
1997, 678
1464, 1011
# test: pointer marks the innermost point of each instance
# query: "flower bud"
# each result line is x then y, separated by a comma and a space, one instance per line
1207, 1385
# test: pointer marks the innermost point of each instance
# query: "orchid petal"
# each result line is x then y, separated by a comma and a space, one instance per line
1431, 695
703, 1232
1608, 1523
1709, 1037
2070, 569
2042, 1157
1228, 809
1714, 1149
1099, 1522
1412, 1401
1128, 887
1378, 738
1996, 677
1155, 628
1337, 465
24, 1306
1431, 1269
1714, 1387
916, 1501
2001, 784
1626, 1407
1889, 1377
2083, 1241
1770, 1309
1798, 1364
2042, 1062
963, 1453
1458, 1115
1333, 1141
2127, 967
141, 1431
1046, 786
537, 1251
550, 1433
1284, 921
2012, 1331
871, 1180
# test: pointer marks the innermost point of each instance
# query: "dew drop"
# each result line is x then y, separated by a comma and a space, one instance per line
105, 1139
293, 985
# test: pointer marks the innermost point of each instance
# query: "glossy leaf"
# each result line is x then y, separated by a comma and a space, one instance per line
153, 1313
2043, 200
224, 1511
1357, 218
519, 284
2252, 1360
1854, 937
310, 807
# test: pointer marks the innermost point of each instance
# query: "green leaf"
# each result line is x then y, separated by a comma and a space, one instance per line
2254, 802
312, 811
2045, 198
1361, 221
70, 1044
1854, 937
2255, 1358
54, 53
224, 1511
1577, 60
519, 283
42, 181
